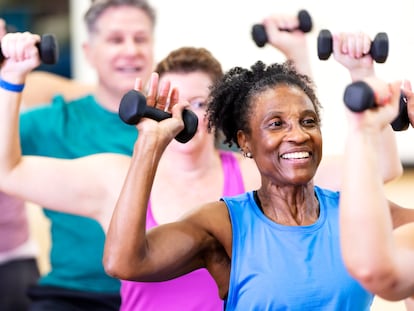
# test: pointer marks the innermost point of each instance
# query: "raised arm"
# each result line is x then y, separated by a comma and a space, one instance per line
351, 51
71, 186
166, 251
293, 44
41, 86
381, 261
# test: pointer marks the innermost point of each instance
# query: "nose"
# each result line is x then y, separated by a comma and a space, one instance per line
296, 133
131, 47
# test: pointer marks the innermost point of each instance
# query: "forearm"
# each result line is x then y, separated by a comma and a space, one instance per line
10, 151
21, 56
365, 222
126, 246
390, 162
300, 59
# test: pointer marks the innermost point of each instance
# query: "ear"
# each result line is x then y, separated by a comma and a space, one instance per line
242, 141
88, 52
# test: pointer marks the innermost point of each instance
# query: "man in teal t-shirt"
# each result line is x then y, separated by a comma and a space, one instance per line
120, 48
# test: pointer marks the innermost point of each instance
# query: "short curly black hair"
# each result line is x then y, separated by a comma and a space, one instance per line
231, 97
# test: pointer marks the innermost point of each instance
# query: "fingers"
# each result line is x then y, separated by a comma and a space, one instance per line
160, 95
174, 97
356, 45
407, 89
157, 96
395, 88
138, 85
20, 46
282, 22
152, 90
162, 102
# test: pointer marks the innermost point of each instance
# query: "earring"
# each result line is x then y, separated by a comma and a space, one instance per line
247, 155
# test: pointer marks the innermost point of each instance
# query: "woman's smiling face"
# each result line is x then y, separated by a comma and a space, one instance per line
285, 138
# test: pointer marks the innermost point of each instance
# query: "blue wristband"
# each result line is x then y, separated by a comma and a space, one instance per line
11, 87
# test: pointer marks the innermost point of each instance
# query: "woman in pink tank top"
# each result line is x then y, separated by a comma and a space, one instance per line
184, 172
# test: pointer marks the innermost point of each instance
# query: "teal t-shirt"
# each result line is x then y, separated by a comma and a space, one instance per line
71, 130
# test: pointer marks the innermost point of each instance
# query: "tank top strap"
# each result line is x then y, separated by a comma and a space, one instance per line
233, 180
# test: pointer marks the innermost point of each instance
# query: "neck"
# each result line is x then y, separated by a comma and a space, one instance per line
189, 161
291, 206
107, 99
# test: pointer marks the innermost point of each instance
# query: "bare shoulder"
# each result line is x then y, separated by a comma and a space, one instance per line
249, 171
329, 173
400, 215
215, 220
405, 235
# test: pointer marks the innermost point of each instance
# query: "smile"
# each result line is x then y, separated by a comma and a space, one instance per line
296, 155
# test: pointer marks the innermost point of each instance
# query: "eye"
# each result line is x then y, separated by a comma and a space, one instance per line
309, 122
141, 39
198, 105
115, 40
275, 124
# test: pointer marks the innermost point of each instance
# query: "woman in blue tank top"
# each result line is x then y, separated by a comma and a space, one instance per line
276, 248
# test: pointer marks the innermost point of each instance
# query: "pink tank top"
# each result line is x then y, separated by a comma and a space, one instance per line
194, 291
14, 228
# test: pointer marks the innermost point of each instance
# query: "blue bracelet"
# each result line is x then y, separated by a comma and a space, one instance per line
11, 87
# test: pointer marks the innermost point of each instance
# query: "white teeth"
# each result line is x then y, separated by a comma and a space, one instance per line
296, 155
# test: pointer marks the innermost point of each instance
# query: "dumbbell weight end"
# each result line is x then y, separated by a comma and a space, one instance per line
48, 50
359, 96
133, 107
259, 32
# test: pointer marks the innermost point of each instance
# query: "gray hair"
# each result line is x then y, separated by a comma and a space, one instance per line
98, 7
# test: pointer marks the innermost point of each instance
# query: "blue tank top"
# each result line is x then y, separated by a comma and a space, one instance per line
277, 267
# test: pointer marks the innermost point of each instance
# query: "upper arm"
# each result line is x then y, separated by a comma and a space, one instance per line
87, 186
41, 86
195, 241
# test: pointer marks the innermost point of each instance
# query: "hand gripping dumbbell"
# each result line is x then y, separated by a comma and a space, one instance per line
48, 49
259, 33
359, 96
379, 47
133, 107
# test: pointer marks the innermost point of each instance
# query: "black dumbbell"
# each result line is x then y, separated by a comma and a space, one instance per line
133, 107
359, 96
48, 49
259, 33
379, 47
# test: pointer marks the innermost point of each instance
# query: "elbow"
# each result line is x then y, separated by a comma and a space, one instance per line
120, 267
113, 266
379, 280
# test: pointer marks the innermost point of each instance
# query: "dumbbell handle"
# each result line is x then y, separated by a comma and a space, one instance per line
259, 32
48, 49
133, 107
378, 50
359, 97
